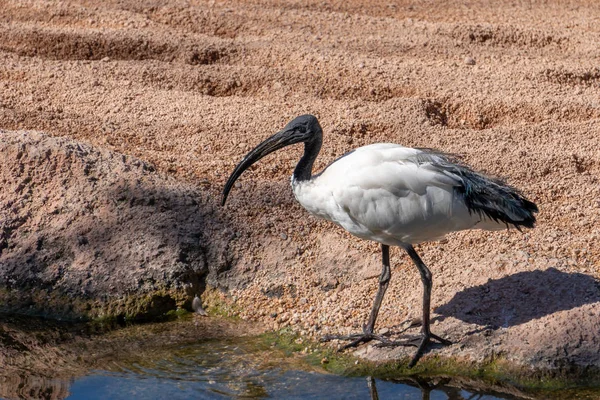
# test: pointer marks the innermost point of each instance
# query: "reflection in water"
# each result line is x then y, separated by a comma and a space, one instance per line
42, 359
372, 388
273, 383
216, 369
24, 386
441, 390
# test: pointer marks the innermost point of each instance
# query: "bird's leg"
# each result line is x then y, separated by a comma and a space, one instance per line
369, 329
372, 388
384, 280
426, 336
425, 328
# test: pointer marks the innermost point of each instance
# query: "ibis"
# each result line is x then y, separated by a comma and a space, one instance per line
396, 196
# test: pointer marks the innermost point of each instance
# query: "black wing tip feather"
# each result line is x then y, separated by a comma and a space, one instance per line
489, 197
530, 208
496, 200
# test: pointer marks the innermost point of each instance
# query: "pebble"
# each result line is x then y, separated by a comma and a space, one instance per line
469, 60
197, 306
283, 236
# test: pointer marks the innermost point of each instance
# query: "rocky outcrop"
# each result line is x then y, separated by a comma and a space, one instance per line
86, 232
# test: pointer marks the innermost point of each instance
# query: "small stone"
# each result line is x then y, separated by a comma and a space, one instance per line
283, 318
331, 283
197, 306
469, 60
324, 360
283, 236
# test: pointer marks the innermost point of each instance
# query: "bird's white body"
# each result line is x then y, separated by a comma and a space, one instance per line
379, 193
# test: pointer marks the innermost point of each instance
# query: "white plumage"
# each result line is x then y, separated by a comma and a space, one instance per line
396, 196
378, 192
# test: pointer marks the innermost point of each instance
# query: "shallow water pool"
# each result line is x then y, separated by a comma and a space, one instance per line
220, 369
200, 359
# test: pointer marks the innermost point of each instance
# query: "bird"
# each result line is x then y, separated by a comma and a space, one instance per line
395, 196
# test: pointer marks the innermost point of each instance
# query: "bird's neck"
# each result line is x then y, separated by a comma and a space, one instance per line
303, 171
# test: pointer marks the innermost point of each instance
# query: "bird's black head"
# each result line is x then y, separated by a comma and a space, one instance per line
307, 125
303, 129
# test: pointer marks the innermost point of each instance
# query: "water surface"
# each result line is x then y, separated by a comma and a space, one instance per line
194, 358
223, 369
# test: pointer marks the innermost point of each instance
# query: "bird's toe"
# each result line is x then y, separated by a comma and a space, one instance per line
355, 339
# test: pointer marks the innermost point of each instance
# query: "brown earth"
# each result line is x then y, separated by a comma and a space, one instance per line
190, 86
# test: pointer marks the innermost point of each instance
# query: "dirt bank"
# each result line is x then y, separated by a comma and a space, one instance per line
190, 87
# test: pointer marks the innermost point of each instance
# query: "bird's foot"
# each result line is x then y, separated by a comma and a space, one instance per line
420, 342
367, 335
355, 339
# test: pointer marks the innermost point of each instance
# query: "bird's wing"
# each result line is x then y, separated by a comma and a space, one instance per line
390, 167
390, 190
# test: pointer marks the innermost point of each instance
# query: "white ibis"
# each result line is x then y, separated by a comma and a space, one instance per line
396, 196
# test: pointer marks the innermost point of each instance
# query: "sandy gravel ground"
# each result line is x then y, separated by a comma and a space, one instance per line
190, 86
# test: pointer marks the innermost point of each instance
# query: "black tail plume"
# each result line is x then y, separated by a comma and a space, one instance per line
496, 200
489, 197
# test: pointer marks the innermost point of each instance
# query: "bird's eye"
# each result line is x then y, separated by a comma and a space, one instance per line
302, 129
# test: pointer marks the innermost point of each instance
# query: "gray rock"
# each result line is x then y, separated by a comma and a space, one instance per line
197, 306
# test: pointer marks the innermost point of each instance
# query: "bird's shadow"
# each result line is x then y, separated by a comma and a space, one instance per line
522, 297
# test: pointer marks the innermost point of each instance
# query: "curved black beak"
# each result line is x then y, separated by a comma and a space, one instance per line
279, 140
